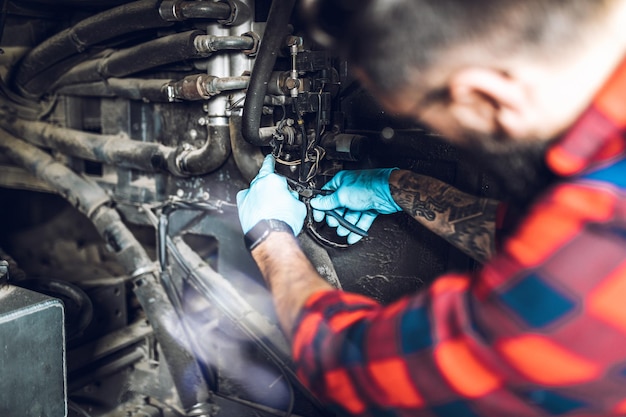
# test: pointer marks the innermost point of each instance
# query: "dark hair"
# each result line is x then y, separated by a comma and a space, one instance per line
385, 38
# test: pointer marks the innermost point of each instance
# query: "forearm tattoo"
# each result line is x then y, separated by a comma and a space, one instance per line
466, 221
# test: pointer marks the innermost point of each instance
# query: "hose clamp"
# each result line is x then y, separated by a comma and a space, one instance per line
170, 11
143, 270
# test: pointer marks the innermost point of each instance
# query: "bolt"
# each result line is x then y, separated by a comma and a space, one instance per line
180, 193
193, 133
203, 121
387, 133
292, 83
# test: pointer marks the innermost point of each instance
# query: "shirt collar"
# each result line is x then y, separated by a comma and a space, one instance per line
599, 134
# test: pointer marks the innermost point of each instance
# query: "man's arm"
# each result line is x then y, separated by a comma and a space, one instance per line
289, 275
465, 221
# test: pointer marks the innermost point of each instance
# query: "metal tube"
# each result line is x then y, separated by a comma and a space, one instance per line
211, 156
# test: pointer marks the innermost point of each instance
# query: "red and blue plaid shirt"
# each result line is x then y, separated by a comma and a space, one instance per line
540, 330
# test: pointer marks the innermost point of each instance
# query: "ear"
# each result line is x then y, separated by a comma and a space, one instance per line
487, 100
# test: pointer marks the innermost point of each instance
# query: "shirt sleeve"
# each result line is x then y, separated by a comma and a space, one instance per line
506, 341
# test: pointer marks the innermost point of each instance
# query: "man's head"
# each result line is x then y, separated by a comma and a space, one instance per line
509, 70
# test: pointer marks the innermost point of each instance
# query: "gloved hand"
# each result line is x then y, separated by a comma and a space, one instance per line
269, 197
360, 196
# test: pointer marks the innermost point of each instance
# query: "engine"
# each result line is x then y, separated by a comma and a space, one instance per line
126, 130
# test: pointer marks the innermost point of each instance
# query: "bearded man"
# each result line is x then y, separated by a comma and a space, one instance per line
540, 329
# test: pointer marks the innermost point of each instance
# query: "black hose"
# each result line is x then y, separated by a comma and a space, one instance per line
248, 158
205, 10
128, 18
152, 90
275, 32
152, 54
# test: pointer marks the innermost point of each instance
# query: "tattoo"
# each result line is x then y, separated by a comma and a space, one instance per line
427, 209
466, 221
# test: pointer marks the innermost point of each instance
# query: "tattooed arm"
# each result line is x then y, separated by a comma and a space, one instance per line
465, 221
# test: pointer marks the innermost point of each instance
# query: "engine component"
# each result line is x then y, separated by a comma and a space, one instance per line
145, 118
33, 354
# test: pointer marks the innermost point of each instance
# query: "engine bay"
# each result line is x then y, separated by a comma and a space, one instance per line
126, 130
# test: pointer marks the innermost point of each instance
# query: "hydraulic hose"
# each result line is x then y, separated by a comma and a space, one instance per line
195, 87
140, 89
173, 10
116, 150
92, 201
276, 29
152, 54
248, 158
128, 18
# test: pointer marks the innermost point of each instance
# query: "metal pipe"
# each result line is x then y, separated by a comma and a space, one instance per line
210, 156
276, 29
203, 86
194, 87
212, 43
128, 18
152, 54
92, 201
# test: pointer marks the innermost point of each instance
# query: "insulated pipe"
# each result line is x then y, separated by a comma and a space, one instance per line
276, 29
79, 192
152, 54
92, 201
121, 151
128, 18
129, 88
116, 150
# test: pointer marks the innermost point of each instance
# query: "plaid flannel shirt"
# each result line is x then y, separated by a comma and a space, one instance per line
539, 330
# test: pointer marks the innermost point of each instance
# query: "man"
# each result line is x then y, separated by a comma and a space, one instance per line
541, 329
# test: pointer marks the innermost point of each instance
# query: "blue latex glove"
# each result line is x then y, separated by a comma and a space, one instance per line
360, 196
269, 197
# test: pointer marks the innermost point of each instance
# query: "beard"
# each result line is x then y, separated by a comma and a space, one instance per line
517, 168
